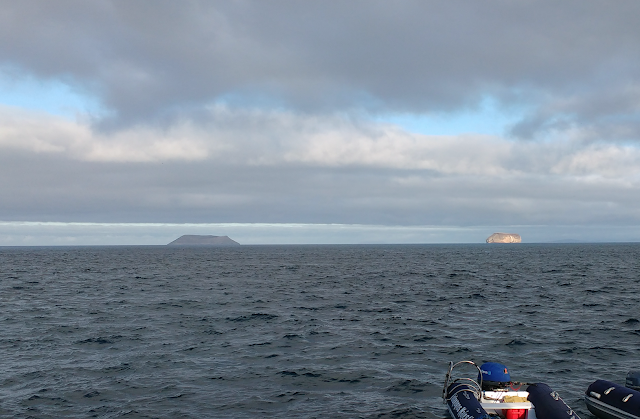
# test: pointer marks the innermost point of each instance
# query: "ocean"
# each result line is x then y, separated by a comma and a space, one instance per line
305, 331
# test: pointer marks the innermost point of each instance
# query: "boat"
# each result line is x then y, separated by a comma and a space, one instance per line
608, 400
493, 395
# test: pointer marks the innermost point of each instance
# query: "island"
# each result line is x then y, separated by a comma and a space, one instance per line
504, 238
196, 240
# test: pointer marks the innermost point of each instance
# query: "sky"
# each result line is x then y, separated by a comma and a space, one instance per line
319, 121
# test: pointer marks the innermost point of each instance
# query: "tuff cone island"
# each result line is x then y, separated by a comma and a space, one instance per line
504, 238
196, 240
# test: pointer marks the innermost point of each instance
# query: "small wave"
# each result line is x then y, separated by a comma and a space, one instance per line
409, 386
254, 316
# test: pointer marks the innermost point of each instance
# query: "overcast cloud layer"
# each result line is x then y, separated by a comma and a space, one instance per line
283, 112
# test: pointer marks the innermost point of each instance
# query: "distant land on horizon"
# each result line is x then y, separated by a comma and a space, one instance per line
198, 240
504, 238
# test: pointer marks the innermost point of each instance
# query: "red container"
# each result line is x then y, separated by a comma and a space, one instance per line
515, 414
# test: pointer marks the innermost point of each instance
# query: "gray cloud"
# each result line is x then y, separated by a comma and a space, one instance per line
47, 188
278, 167
156, 60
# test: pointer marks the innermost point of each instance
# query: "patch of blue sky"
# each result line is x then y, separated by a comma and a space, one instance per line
53, 96
489, 118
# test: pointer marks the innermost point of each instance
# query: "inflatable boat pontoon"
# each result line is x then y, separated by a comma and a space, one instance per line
609, 400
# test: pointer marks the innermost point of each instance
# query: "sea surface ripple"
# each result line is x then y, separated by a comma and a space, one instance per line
305, 331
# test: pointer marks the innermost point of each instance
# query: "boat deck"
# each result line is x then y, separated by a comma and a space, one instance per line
494, 402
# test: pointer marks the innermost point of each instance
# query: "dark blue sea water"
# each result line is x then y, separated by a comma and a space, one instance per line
305, 331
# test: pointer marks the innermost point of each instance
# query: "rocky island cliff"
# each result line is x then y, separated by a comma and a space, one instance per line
504, 238
196, 240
